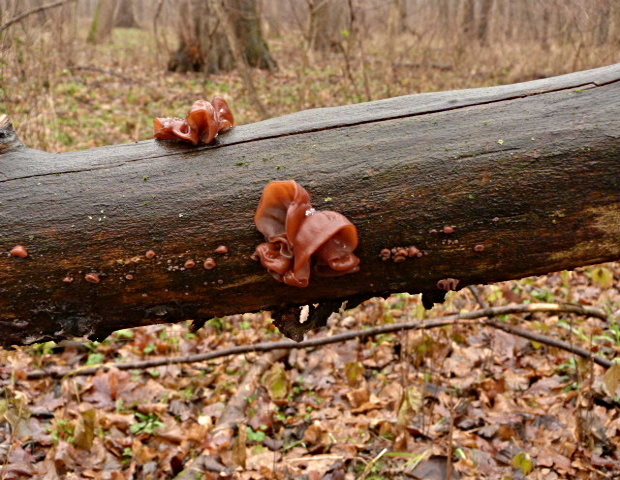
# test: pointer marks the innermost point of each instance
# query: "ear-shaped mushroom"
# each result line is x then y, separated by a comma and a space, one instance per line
299, 238
203, 123
281, 209
331, 238
202, 119
174, 129
224, 114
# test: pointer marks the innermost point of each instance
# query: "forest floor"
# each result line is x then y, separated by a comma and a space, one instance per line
466, 398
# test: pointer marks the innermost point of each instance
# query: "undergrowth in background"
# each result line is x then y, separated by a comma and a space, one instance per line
70, 95
497, 405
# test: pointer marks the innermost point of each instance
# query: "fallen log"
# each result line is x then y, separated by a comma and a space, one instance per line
489, 184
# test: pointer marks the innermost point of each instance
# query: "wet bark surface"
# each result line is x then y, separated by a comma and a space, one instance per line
526, 177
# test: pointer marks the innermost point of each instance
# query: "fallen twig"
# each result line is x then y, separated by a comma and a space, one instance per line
544, 339
550, 341
102, 70
361, 334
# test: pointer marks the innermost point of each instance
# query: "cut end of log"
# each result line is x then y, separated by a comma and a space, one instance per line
8, 137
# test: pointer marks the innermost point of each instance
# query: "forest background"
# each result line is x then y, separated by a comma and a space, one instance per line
463, 401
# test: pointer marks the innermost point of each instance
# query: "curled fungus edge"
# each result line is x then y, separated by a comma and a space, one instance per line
301, 240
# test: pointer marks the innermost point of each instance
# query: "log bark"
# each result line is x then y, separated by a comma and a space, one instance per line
527, 175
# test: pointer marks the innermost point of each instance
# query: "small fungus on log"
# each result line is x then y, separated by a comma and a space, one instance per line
92, 278
19, 251
400, 254
203, 123
300, 239
448, 284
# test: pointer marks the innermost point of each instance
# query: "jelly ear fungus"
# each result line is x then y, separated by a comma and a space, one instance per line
300, 240
203, 123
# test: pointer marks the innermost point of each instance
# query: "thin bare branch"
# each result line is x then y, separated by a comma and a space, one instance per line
478, 295
550, 341
361, 334
32, 11
544, 339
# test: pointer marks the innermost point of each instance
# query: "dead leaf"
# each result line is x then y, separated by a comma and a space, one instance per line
358, 396
410, 406
275, 380
239, 455
602, 276
611, 380
85, 429
435, 468
523, 462
354, 371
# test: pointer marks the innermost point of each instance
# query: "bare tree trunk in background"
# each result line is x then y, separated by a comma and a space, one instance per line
248, 30
236, 47
192, 19
602, 34
505, 12
103, 21
483, 21
444, 14
125, 15
396, 18
395, 26
202, 30
468, 17
327, 21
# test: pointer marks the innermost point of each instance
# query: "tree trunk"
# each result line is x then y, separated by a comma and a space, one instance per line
602, 30
468, 18
328, 20
245, 17
125, 15
189, 55
103, 21
525, 177
483, 22
202, 28
397, 14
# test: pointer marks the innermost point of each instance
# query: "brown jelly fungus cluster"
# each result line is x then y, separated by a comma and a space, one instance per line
203, 123
300, 239
400, 254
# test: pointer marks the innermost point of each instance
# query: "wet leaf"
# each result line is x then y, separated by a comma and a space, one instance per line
276, 382
524, 462
602, 276
354, 372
